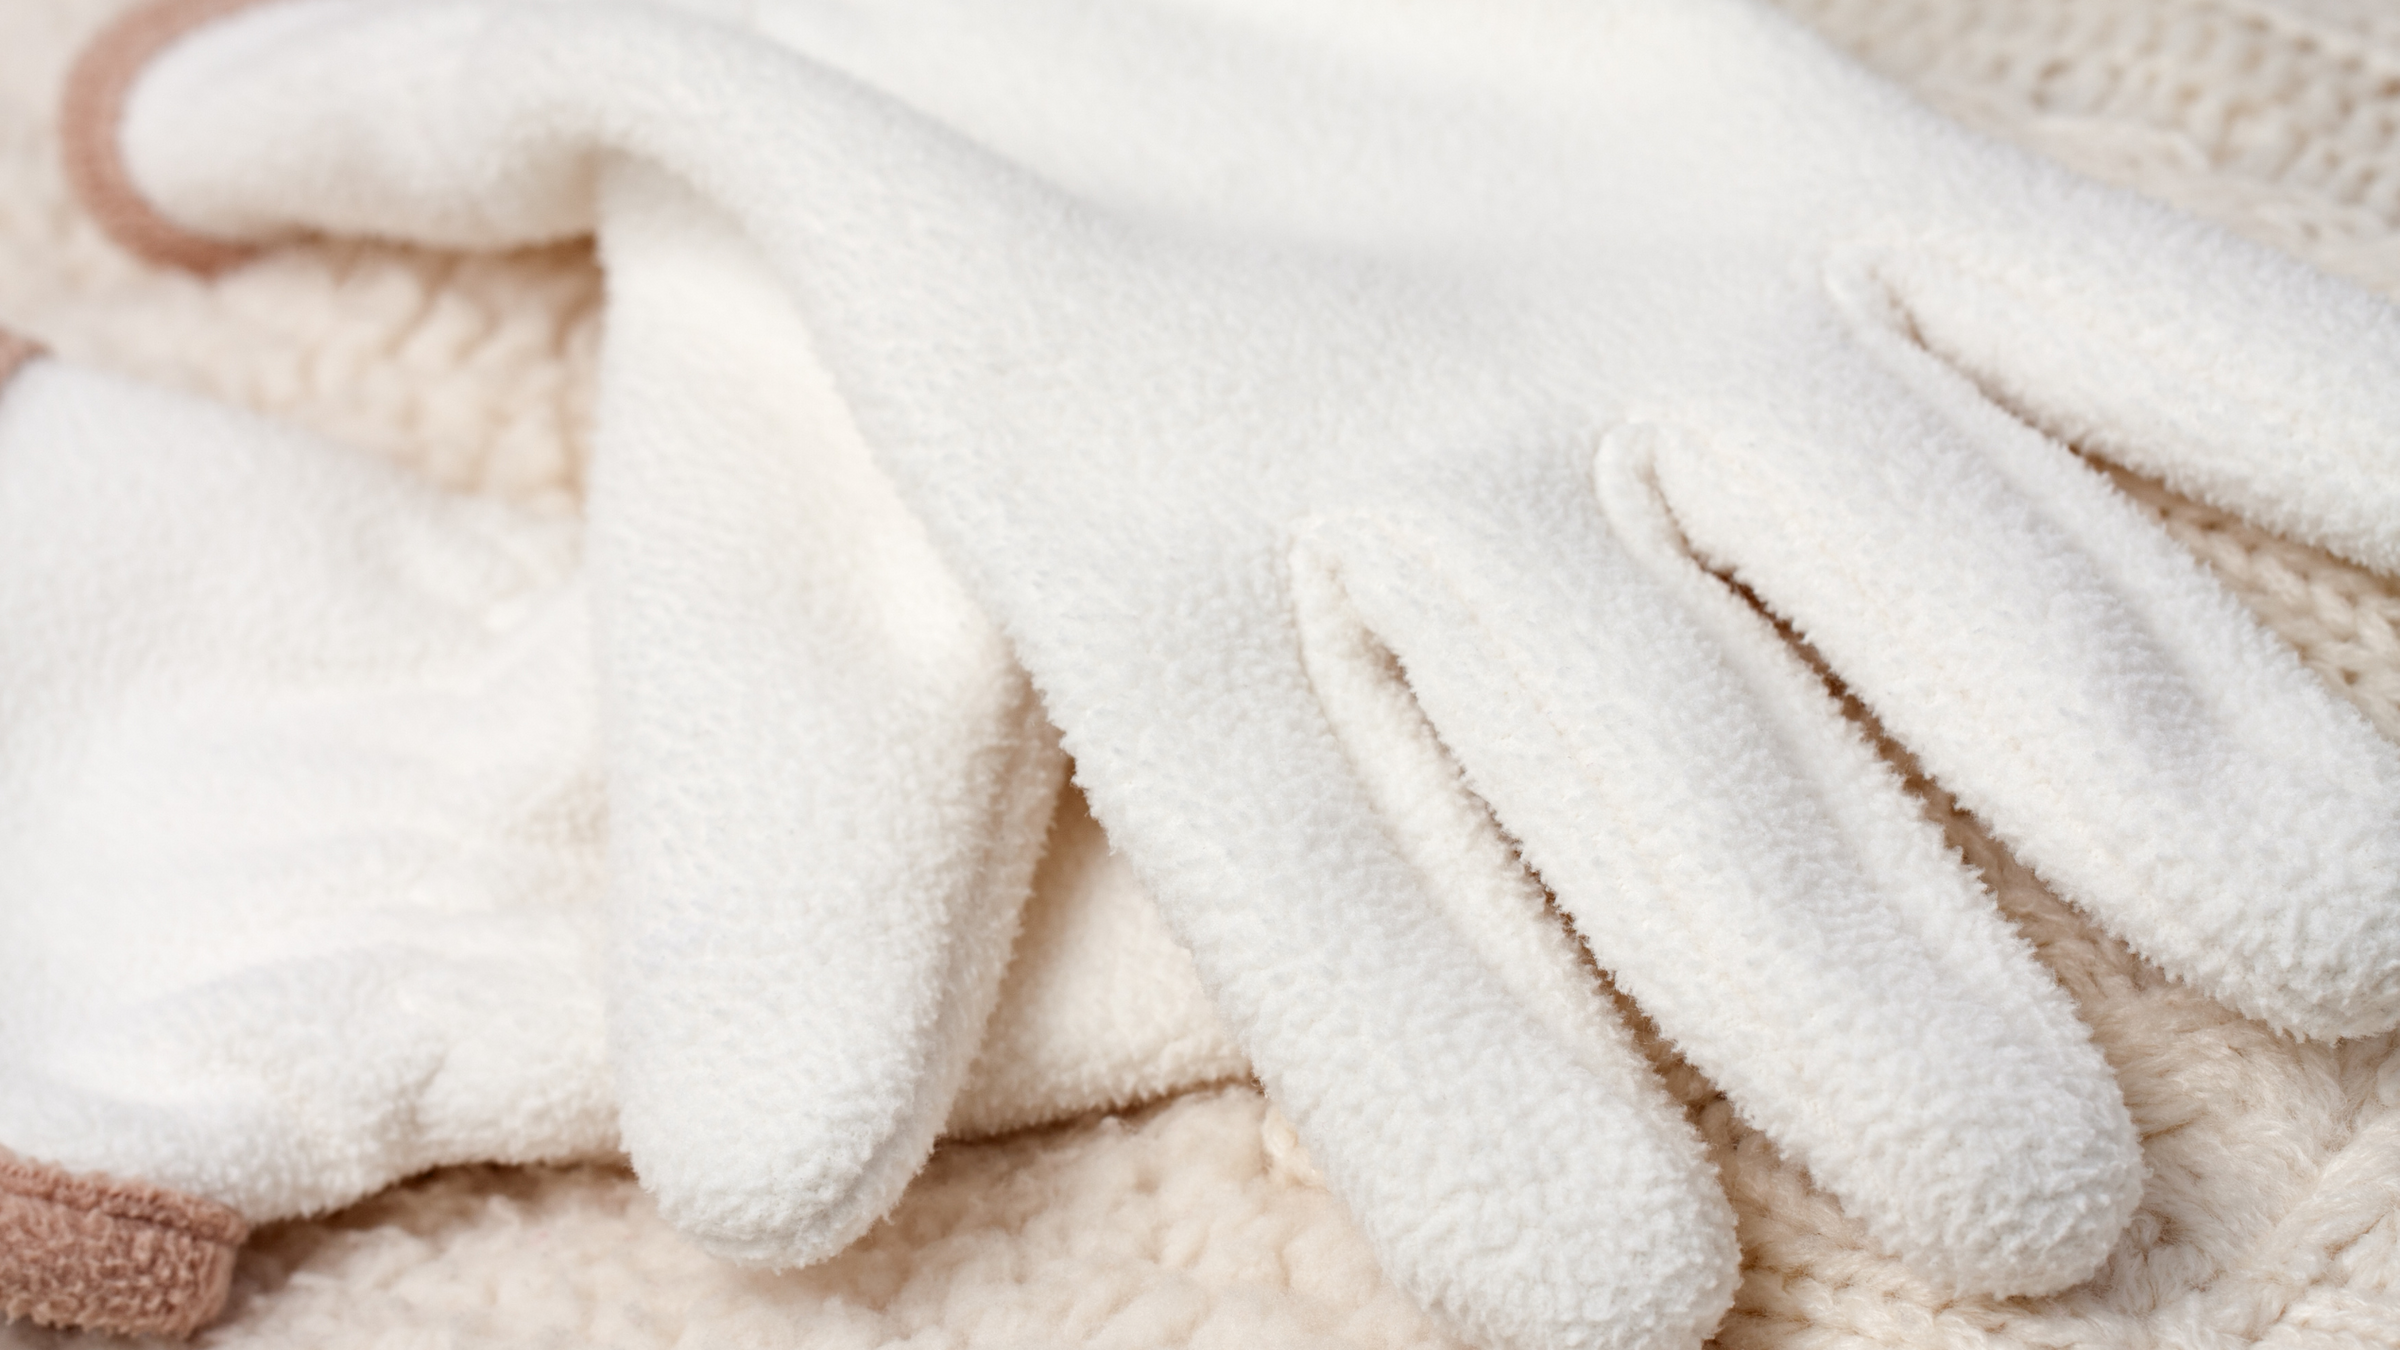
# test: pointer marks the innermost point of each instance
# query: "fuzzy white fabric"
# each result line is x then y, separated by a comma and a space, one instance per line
297, 821
2234, 1241
828, 781
303, 823
1424, 349
149, 937
264, 771
829, 785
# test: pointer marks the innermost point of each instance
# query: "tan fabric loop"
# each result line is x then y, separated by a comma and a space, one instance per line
89, 115
15, 351
122, 1256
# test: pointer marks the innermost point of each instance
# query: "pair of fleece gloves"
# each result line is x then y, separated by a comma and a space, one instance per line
1424, 462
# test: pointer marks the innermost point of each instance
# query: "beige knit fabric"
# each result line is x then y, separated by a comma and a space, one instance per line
2273, 1210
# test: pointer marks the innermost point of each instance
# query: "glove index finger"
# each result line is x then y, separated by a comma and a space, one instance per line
829, 782
2232, 373
1756, 880
1517, 1169
2132, 731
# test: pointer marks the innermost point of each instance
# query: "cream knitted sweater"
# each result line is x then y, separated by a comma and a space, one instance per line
2273, 1211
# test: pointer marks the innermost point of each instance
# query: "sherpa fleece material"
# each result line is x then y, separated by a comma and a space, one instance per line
1362, 363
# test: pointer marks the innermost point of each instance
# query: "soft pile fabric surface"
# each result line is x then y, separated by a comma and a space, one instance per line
1214, 483
2274, 1166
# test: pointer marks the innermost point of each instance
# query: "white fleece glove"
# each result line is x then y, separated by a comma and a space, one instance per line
1479, 348
828, 781
817, 880
298, 823
302, 825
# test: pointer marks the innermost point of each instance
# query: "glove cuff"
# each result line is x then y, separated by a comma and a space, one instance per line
89, 114
120, 1256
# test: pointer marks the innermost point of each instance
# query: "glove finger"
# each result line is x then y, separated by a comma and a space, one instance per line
829, 782
2235, 374
1505, 1184
1447, 833
1740, 862
2073, 677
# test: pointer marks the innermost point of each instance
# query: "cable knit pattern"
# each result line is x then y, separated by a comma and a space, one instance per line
2273, 1211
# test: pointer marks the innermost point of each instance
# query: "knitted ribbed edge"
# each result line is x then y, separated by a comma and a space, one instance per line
89, 113
122, 1256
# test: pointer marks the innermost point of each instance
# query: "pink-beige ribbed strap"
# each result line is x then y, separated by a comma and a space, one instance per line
89, 115
100, 1253
15, 351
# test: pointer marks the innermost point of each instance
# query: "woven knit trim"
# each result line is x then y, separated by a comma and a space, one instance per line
121, 1256
88, 119
15, 351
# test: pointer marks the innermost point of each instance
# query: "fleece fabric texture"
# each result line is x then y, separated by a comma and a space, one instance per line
452, 923
827, 781
2236, 1239
298, 812
1424, 341
303, 824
